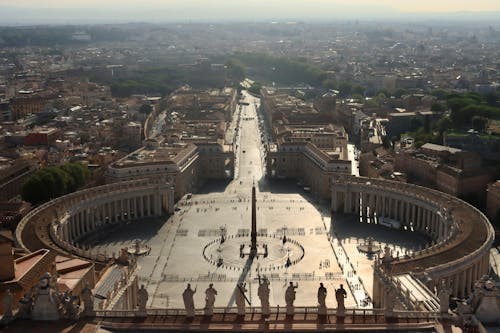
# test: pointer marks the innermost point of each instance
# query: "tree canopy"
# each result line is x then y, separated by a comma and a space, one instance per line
52, 182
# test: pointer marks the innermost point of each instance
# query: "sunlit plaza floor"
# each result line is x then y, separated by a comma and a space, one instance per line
329, 245
186, 247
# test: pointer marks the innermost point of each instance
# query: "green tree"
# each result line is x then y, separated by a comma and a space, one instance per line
400, 93
479, 123
437, 107
51, 182
236, 69
255, 88
329, 84
145, 108
345, 89
357, 89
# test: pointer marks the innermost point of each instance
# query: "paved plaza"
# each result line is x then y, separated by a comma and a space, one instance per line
186, 248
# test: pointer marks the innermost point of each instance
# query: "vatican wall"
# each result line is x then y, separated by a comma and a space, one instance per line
461, 234
61, 223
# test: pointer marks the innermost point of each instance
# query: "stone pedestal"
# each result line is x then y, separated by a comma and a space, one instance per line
389, 315
45, 307
266, 311
46, 304
487, 311
209, 311
340, 316
190, 312
7, 302
290, 310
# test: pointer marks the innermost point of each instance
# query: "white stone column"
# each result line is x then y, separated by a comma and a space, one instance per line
124, 209
334, 201
91, 218
148, 205
348, 201
66, 230
140, 206
407, 212
136, 205
383, 198
463, 283
357, 205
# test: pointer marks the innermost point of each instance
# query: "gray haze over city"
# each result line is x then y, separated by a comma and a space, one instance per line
60, 12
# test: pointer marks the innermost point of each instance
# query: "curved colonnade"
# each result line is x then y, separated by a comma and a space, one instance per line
462, 235
61, 223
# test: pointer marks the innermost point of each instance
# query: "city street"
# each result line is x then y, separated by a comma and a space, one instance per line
184, 248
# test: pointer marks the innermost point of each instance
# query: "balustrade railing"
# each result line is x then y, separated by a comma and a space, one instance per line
275, 312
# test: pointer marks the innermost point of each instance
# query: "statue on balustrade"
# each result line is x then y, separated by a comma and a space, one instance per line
88, 300
68, 306
210, 294
188, 297
46, 303
241, 298
444, 297
142, 299
25, 305
290, 298
322, 299
7, 302
485, 301
340, 296
263, 293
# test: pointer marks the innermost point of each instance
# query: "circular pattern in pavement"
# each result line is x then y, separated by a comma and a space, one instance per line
233, 252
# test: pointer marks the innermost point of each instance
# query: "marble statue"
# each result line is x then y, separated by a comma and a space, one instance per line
88, 300
210, 300
390, 302
142, 299
387, 257
25, 305
290, 298
46, 306
444, 297
263, 293
124, 258
322, 299
485, 303
188, 296
7, 302
241, 298
69, 306
340, 296
465, 312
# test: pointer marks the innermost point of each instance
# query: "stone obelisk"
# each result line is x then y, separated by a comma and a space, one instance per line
253, 234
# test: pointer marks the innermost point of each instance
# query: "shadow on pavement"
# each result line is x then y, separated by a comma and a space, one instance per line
346, 227
212, 186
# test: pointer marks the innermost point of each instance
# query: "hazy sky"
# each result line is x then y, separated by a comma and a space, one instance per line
400, 5
72, 11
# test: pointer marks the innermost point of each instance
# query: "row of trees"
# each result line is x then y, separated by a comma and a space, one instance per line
471, 106
52, 182
278, 69
162, 80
